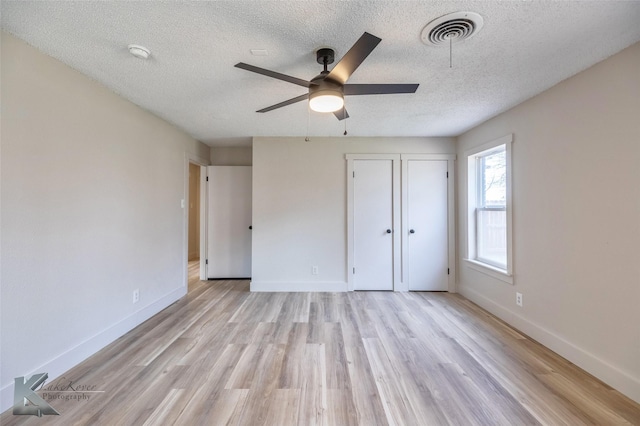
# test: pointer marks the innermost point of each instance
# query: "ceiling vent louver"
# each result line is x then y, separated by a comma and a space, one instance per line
453, 27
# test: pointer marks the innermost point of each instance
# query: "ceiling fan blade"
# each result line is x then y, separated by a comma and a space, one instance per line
378, 89
353, 58
285, 103
341, 114
273, 74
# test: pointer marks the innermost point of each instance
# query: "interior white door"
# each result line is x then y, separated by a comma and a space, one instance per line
373, 224
427, 230
229, 221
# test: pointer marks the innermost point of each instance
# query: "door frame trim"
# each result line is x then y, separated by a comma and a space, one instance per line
451, 219
395, 158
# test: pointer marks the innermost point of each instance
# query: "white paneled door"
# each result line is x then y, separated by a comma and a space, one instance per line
229, 222
427, 225
373, 224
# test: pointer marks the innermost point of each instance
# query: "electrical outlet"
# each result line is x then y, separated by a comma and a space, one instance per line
314, 270
519, 299
136, 295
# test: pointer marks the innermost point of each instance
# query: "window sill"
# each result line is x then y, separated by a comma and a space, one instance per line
497, 273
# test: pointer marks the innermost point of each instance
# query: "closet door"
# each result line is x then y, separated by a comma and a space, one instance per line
373, 239
229, 222
427, 225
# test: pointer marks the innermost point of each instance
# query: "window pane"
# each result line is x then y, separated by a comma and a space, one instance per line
491, 227
494, 179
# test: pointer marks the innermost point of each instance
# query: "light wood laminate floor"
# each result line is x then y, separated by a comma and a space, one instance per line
222, 355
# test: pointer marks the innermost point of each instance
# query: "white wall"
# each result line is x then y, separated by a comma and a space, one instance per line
576, 216
300, 207
231, 156
91, 190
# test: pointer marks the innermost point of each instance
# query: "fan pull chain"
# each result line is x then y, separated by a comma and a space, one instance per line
345, 121
306, 139
450, 52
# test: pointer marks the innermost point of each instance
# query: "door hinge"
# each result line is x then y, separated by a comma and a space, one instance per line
447, 271
354, 270
207, 178
206, 261
354, 174
447, 175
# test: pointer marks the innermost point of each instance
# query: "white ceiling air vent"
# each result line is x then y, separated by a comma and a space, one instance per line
453, 27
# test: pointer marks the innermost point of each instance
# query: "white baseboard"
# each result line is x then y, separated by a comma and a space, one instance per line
299, 286
622, 381
73, 356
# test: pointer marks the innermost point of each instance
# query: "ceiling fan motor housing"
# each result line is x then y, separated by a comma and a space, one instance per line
321, 84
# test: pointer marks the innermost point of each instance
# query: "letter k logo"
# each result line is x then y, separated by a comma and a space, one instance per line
24, 391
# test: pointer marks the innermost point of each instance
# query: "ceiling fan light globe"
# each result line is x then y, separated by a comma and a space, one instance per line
326, 102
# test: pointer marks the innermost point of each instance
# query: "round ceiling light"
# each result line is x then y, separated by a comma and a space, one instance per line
325, 95
139, 51
326, 101
453, 27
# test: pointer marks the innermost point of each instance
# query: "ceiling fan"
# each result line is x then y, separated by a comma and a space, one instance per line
328, 89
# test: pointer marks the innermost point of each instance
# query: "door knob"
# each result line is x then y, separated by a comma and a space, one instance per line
388, 231
411, 231
251, 227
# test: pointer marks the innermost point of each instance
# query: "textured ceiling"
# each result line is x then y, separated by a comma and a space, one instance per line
524, 48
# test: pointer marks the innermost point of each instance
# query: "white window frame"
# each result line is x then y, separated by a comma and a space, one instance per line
471, 260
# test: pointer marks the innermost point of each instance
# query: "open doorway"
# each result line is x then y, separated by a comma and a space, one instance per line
193, 233
194, 212
195, 206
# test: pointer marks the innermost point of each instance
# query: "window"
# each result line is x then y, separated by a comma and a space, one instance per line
489, 209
